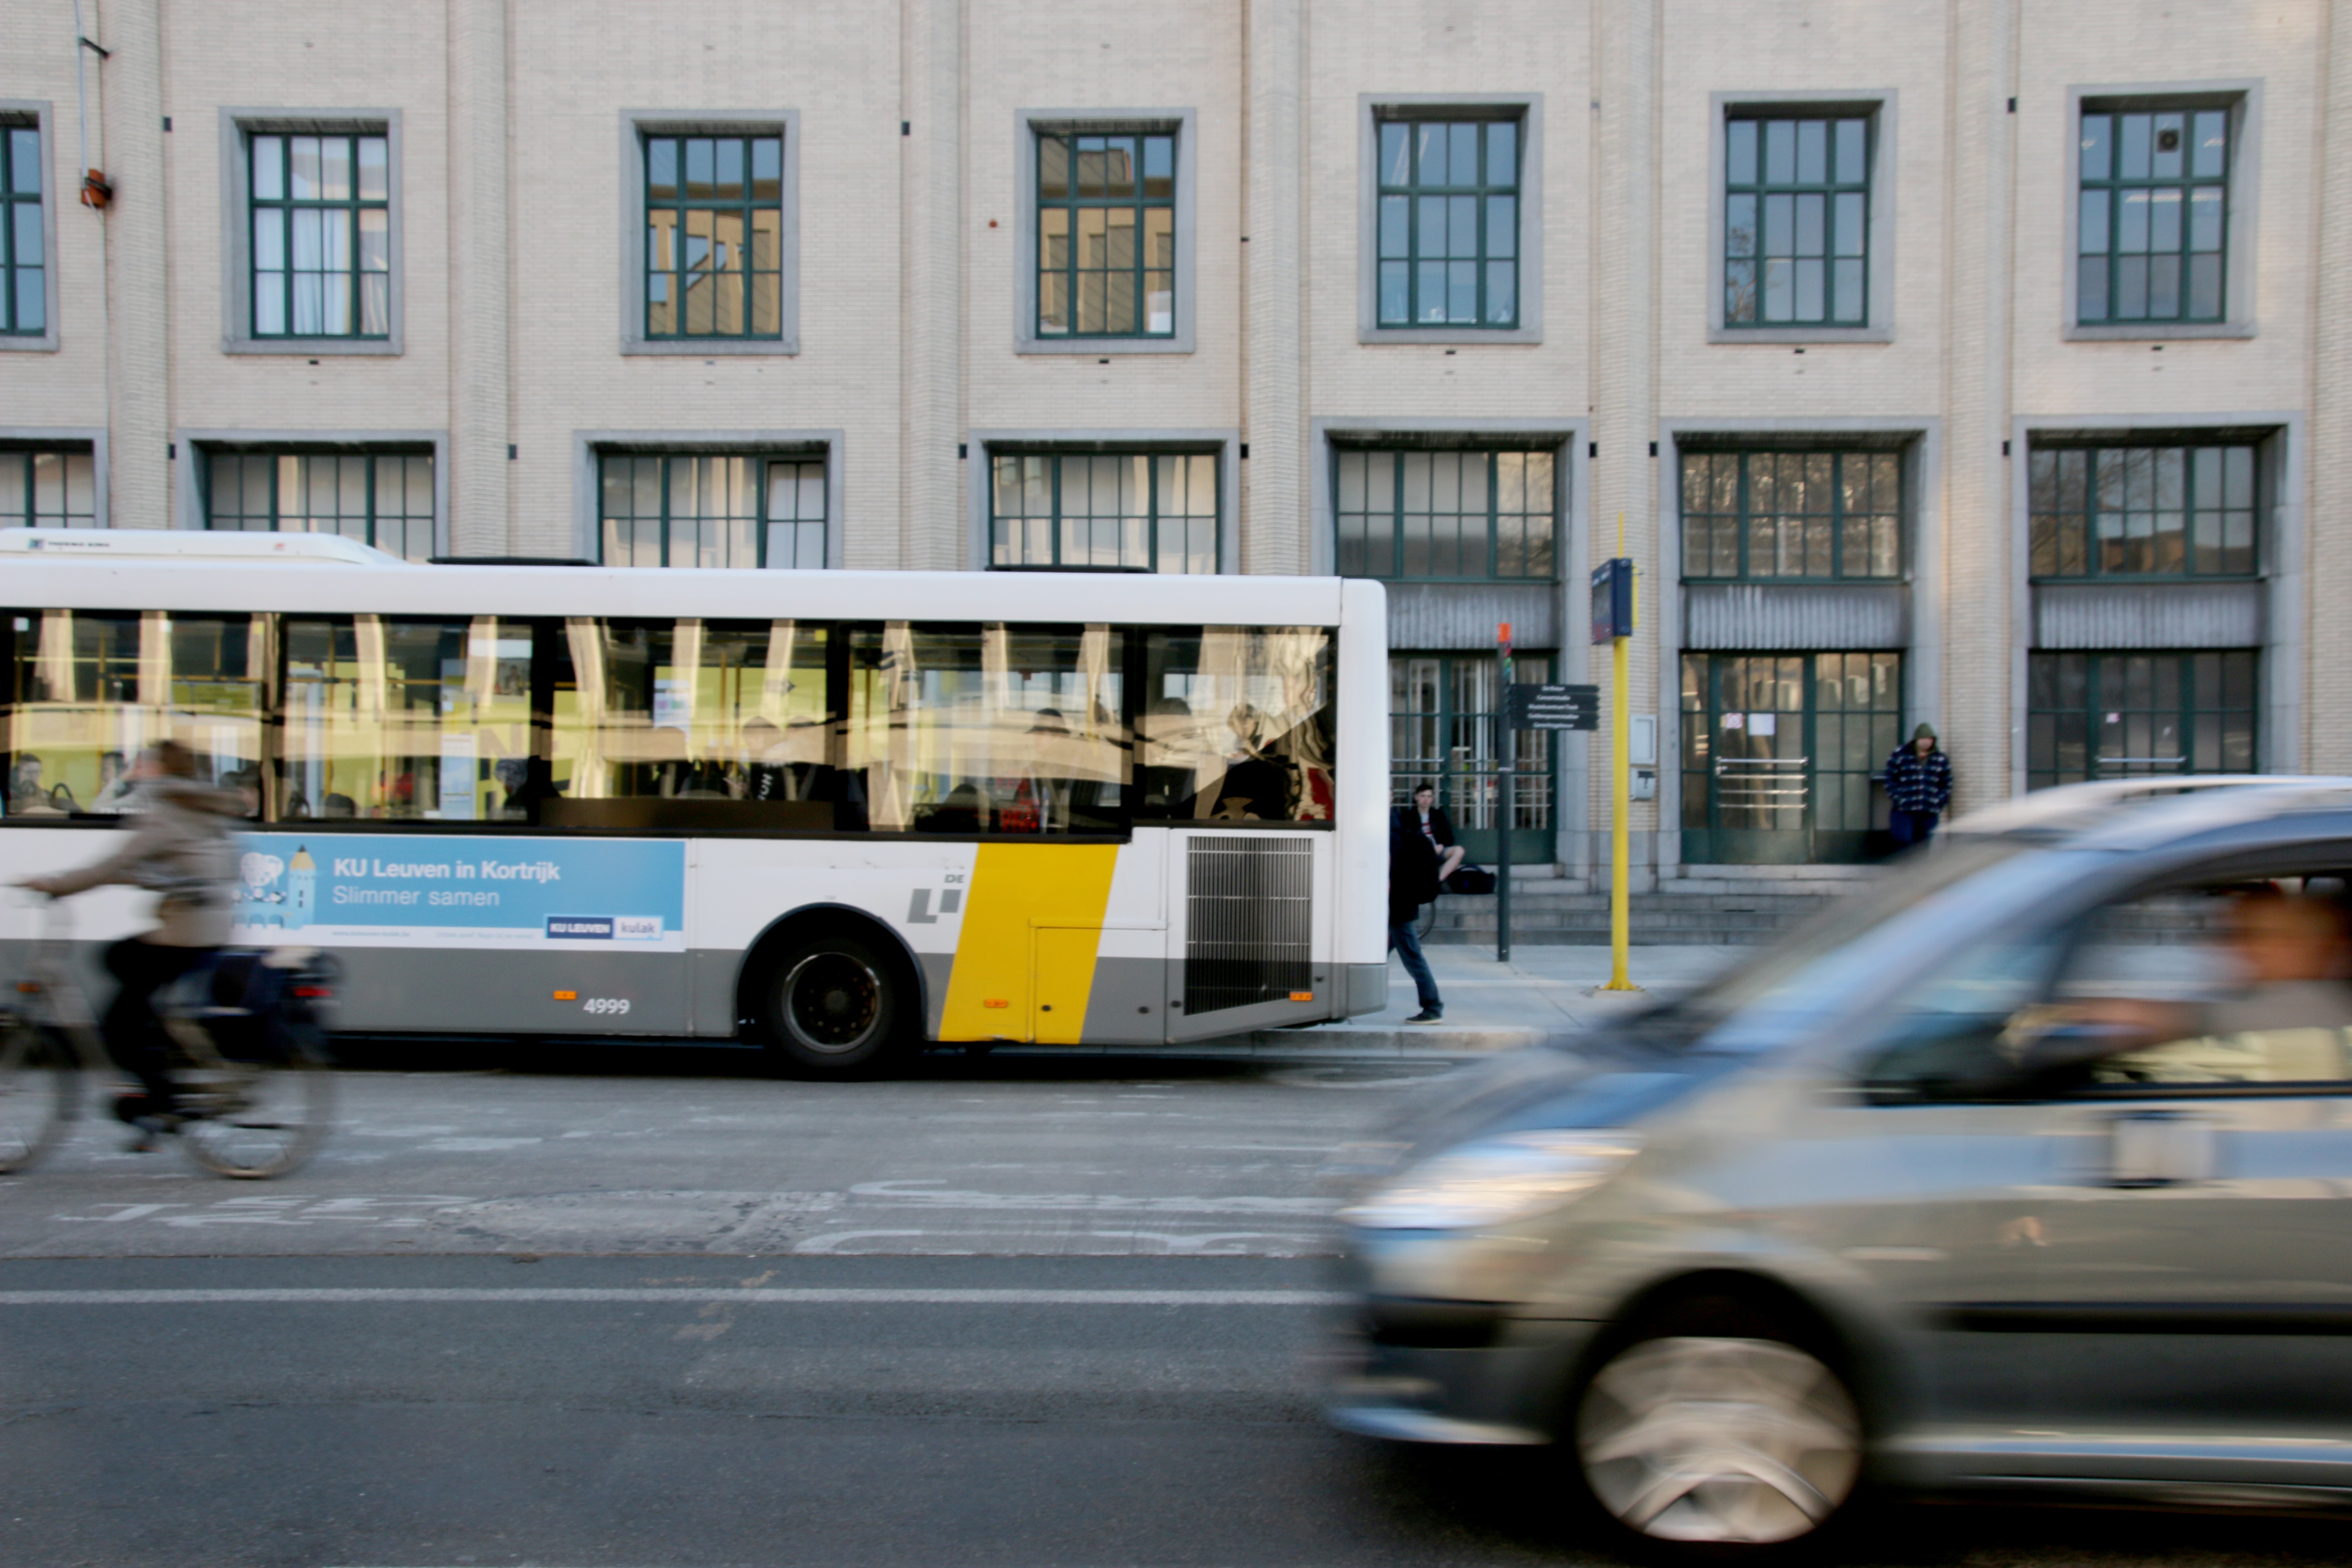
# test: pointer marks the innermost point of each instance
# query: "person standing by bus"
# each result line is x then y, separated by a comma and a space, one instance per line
1413, 882
1918, 788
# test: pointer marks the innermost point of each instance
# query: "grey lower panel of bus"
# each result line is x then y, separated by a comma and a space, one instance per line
1134, 1001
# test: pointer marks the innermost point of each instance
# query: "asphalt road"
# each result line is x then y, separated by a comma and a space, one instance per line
661, 1311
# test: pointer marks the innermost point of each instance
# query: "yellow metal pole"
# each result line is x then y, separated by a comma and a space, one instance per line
1621, 833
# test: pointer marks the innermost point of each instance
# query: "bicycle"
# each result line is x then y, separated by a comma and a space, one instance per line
247, 1056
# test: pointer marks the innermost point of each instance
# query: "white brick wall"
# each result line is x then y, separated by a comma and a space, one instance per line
512, 236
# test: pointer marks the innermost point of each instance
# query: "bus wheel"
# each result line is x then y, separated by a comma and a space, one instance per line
832, 1008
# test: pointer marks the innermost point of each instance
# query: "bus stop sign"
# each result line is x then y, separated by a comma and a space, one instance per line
1612, 600
1528, 706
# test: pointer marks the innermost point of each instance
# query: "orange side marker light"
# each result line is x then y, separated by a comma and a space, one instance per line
567, 996
1302, 996
994, 1002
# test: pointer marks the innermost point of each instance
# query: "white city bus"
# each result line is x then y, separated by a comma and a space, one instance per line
842, 813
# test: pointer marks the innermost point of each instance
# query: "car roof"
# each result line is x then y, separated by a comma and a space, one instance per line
2127, 814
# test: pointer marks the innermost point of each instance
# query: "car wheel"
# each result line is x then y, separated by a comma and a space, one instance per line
832, 1008
1718, 1440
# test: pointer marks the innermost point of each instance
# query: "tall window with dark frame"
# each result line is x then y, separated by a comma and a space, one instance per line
23, 253
714, 237
2092, 716
1475, 516
381, 499
1153, 513
321, 235
2153, 221
47, 488
708, 510
1106, 235
1449, 222
2144, 512
1817, 516
1796, 220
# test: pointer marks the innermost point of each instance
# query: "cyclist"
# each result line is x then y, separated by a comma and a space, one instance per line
180, 849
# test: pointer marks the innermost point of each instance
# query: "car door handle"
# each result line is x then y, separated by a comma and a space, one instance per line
2159, 1149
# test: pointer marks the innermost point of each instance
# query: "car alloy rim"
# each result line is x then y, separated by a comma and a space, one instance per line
832, 1002
1730, 1440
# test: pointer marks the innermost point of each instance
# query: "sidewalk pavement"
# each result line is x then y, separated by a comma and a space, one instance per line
1490, 1006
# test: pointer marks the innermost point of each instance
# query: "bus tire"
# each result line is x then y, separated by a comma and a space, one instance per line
834, 1007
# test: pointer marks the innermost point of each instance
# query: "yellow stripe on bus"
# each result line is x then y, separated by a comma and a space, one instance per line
1032, 925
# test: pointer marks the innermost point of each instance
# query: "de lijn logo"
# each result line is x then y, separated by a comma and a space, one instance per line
280, 893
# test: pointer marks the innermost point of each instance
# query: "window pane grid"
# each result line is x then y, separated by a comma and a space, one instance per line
1107, 236
383, 499
321, 240
48, 489
1796, 228
711, 511
23, 255
2144, 512
2094, 716
2154, 217
1445, 724
1800, 516
1445, 516
714, 237
1449, 222
1152, 512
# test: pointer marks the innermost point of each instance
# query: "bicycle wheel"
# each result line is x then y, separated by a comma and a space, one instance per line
256, 1119
39, 1079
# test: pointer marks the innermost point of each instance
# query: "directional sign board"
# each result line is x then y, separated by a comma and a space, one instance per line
1531, 707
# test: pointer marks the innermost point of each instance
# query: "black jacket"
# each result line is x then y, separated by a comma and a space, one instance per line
1412, 866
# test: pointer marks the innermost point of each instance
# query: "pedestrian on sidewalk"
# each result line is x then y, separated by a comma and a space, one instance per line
1918, 788
1413, 882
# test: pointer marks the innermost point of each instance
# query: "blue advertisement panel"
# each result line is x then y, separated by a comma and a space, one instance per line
338, 890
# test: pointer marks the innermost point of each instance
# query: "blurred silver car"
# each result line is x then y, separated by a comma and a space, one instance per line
2028, 1168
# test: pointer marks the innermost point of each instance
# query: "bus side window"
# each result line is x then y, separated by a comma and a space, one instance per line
1236, 725
692, 724
990, 728
88, 689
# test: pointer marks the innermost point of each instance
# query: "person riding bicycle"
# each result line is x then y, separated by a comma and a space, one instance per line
182, 848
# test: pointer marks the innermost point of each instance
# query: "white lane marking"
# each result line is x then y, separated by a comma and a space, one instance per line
766, 1297
913, 1193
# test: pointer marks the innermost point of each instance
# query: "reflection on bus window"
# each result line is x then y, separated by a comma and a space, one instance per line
1236, 725
691, 712
404, 719
87, 691
988, 728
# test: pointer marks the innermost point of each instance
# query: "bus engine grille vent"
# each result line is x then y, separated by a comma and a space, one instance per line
1248, 921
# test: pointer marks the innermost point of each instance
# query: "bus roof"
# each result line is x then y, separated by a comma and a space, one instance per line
204, 571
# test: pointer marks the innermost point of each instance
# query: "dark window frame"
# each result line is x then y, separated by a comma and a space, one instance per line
2042, 731
1067, 200
1397, 513
2114, 187
24, 139
2042, 546
271, 453
1759, 189
762, 521
1743, 519
747, 203
349, 211
1403, 209
996, 542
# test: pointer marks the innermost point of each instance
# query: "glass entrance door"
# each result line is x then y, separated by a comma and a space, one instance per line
1778, 754
1445, 728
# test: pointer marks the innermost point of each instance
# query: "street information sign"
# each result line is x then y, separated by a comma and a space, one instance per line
1529, 706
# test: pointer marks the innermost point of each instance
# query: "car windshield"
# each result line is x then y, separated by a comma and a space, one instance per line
1772, 967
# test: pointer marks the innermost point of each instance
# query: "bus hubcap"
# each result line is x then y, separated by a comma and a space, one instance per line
832, 1001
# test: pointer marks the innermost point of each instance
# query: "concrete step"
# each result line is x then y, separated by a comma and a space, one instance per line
1655, 920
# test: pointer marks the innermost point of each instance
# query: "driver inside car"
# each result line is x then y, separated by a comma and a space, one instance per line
2279, 1015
